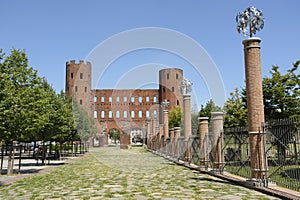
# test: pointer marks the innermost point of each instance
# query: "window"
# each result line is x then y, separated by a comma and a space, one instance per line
118, 99
125, 114
95, 99
76, 89
81, 75
85, 89
140, 99
147, 114
147, 98
102, 114
110, 114
172, 89
176, 76
154, 99
132, 99
80, 101
95, 114
132, 114
118, 114
167, 75
109, 99
125, 99
102, 99
155, 113
71, 75
140, 113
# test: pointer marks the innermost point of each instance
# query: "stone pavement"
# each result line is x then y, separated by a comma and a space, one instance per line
112, 173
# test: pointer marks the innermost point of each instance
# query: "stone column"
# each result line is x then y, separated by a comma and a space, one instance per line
255, 109
166, 127
217, 141
203, 133
172, 142
187, 124
148, 128
176, 146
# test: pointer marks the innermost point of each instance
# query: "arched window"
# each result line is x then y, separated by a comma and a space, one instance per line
102, 114
125, 114
147, 114
118, 114
132, 114
95, 114
110, 114
140, 113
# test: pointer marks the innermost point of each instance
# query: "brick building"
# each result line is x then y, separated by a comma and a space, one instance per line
125, 110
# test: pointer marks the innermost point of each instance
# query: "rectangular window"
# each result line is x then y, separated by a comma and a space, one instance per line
102, 99
102, 114
95, 114
147, 98
95, 99
109, 99
81, 75
132, 99
154, 99
118, 99
110, 114
140, 99
140, 113
132, 114
125, 114
71, 75
85, 89
125, 99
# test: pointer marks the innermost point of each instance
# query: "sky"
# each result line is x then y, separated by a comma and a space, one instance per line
55, 32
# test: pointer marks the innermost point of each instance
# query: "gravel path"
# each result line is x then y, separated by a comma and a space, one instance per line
112, 173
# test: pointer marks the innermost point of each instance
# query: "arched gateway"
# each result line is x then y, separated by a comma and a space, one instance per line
125, 110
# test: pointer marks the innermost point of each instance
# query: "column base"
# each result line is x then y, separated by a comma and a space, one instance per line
257, 182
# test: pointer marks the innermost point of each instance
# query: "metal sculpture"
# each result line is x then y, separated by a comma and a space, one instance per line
250, 21
186, 86
165, 104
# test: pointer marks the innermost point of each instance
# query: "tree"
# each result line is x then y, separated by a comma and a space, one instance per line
209, 107
175, 117
235, 110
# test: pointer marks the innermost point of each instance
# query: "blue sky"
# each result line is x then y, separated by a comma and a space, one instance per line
54, 32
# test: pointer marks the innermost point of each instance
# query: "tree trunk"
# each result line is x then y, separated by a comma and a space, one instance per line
10, 160
2, 157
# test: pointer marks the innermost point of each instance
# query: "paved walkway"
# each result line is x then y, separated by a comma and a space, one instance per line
111, 173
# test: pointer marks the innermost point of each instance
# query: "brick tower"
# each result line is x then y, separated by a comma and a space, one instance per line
170, 86
78, 83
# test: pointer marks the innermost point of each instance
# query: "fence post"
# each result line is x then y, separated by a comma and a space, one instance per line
203, 131
217, 141
176, 141
171, 133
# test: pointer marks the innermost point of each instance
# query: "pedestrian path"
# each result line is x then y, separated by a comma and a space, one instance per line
112, 173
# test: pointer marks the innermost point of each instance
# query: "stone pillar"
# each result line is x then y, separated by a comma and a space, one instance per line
148, 128
187, 125
217, 141
203, 134
176, 146
255, 109
171, 132
166, 127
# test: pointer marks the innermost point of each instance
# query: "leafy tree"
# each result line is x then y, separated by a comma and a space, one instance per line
235, 110
209, 107
175, 117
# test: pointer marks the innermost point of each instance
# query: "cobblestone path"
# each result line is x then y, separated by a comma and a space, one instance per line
111, 173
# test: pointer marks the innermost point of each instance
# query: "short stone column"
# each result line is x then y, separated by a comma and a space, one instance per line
187, 125
148, 128
203, 134
255, 108
176, 146
171, 132
217, 141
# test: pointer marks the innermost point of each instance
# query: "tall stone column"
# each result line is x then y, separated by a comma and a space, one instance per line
171, 132
166, 126
176, 146
217, 141
255, 108
203, 132
187, 125
148, 133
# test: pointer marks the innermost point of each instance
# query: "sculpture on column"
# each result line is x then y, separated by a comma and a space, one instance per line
250, 21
